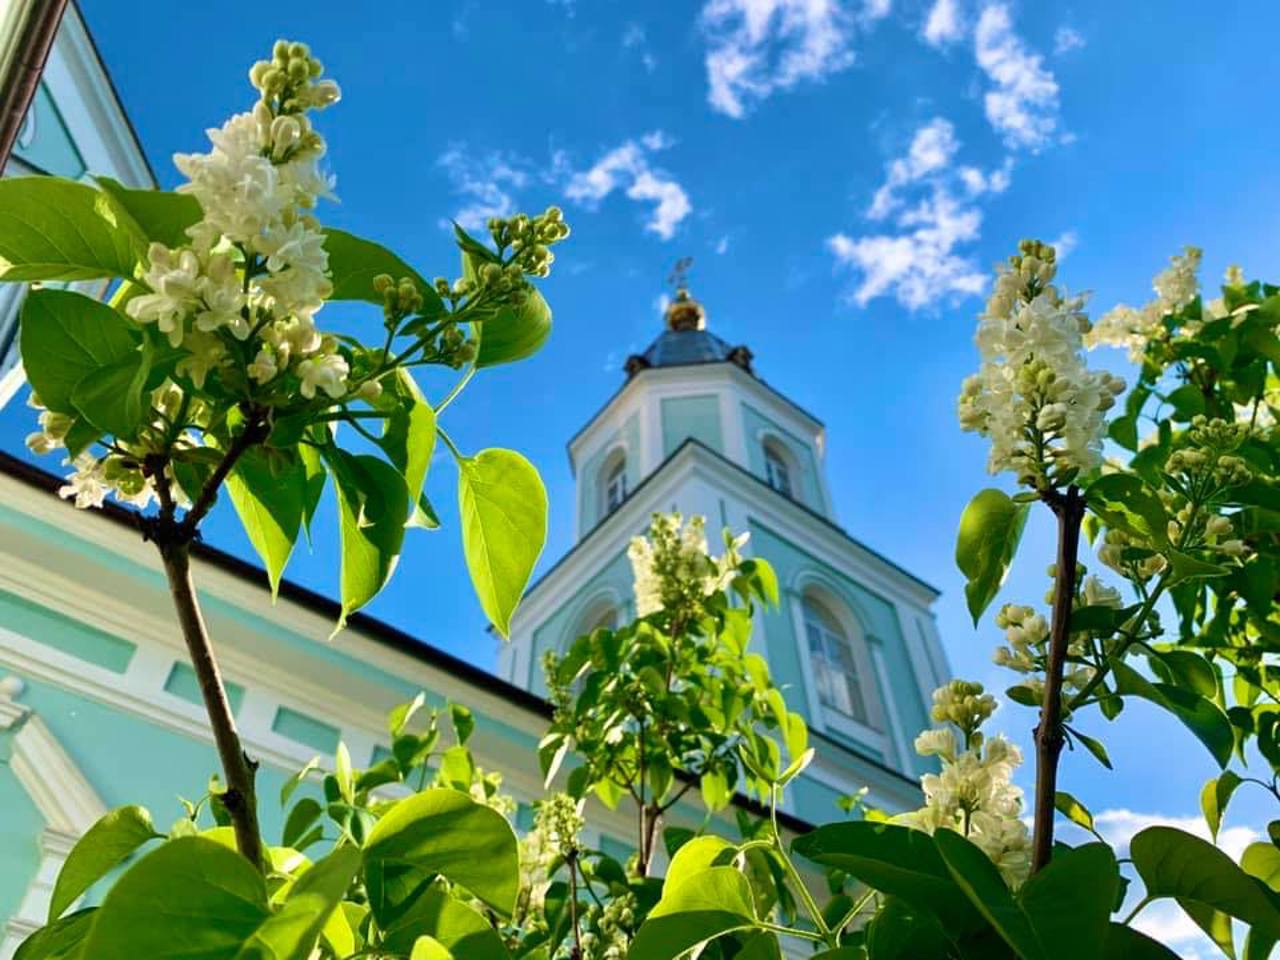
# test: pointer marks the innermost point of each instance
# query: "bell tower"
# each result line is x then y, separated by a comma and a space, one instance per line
695, 428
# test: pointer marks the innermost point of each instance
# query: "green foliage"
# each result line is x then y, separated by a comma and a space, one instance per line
990, 529
104, 845
503, 510
53, 229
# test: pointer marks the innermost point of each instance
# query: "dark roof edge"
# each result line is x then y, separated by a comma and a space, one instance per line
364, 624
694, 442
677, 366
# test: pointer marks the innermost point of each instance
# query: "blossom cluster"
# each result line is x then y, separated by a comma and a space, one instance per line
256, 265
1134, 327
247, 284
1027, 636
973, 794
557, 821
673, 569
1033, 396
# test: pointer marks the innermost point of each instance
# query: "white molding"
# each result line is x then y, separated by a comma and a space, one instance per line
61, 794
893, 720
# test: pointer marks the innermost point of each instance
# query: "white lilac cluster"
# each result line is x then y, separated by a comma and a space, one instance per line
1134, 327
255, 272
120, 475
556, 824
256, 264
672, 568
1027, 636
1033, 396
973, 794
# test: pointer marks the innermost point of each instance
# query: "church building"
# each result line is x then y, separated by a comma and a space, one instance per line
854, 644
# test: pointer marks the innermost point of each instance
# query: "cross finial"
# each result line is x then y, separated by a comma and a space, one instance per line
680, 274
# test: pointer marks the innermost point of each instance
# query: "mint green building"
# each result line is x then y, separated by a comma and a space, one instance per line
855, 644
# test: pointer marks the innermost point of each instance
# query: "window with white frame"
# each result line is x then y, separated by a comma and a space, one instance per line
777, 473
835, 666
615, 484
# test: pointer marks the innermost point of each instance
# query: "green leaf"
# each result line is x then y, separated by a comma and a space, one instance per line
1201, 716
990, 529
1125, 943
899, 931
304, 815
1070, 901
161, 216
297, 779
503, 508
1262, 860
409, 440
1073, 810
977, 876
455, 926
698, 854
291, 933
1123, 501
373, 505
190, 899
270, 504
429, 948
895, 860
65, 337
1095, 747
56, 229
446, 832
60, 940
354, 262
111, 397
513, 332
1187, 567
1176, 864
104, 845
1214, 799
464, 722
706, 905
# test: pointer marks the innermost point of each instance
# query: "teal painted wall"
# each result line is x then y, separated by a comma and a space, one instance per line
44, 140
814, 801
879, 620
65, 634
590, 499
20, 826
697, 417
554, 632
804, 488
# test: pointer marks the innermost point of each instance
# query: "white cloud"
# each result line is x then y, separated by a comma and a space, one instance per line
758, 46
943, 25
627, 168
722, 245
1119, 826
487, 184
931, 213
931, 150
1022, 103
634, 37
1067, 39
1064, 243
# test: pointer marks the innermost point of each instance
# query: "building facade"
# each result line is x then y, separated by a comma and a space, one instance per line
854, 642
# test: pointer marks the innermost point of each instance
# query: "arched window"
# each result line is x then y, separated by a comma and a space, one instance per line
835, 667
613, 487
777, 471
606, 618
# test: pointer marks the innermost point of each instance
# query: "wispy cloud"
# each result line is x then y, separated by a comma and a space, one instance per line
1022, 102
634, 37
1064, 243
627, 168
487, 184
1067, 39
721, 246
928, 213
756, 47
943, 25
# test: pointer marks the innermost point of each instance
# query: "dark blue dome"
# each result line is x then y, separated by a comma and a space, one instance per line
683, 348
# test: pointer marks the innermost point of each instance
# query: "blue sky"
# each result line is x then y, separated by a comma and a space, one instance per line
844, 173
